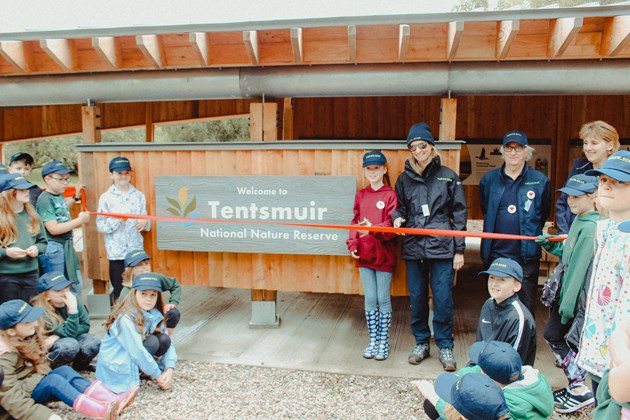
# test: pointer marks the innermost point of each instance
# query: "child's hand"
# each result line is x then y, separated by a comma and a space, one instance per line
32, 251
71, 302
619, 342
354, 255
84, 217
50, 341
364, 222
141, 224
398, 223
168, 307
165, 379
15, 252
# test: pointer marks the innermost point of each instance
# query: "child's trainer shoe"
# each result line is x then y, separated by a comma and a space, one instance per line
573, 402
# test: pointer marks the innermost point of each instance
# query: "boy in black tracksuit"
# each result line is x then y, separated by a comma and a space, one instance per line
504, 317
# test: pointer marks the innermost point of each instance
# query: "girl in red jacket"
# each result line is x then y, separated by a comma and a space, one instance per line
375, 251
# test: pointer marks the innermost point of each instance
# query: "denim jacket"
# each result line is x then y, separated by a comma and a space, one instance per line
123, 356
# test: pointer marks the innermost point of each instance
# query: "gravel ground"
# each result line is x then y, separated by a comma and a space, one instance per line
211, 390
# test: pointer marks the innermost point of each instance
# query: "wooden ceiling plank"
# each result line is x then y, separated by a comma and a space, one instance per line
562, 32
16, 54
199, 43
250, 38
108, 49
149, 45
61, 51
296, 45
506, 33
616, 36
404, 32
352, 43
455, 32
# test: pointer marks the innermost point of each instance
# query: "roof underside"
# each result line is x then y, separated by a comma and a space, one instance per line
577, 33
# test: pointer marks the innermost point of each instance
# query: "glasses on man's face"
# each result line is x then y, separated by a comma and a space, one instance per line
62, 180
510, 149
418, 146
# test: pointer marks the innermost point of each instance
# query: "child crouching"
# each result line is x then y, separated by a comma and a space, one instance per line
137, 339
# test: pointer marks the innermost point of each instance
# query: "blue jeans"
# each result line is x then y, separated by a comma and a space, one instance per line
83, 349
376, 285
63, 383
440, 274
54, 259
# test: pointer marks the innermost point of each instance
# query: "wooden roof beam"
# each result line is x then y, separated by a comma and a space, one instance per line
506, 33
199, 43
17, 55
250, 38
616, 36
352, 43
562, 32
455, 32
151, 49
296, 45
61, 51
404, 33
108, 49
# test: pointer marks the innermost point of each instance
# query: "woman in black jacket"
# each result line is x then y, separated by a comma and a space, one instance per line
430, 196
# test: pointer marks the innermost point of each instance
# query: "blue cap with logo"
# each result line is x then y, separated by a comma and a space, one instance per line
505, 267
55, 167
580, 184
617, 166
27, 158
498, 360
474, 395
374, 158
135, 257
516, 137
15, 311
54, 280
420, 131
119, 164
14, 181
147, 281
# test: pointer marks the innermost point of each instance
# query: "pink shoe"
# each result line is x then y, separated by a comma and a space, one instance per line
99, 391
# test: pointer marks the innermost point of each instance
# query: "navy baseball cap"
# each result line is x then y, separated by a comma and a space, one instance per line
580, 184
617, 166
474, 395
27, 158
374, 158
516, 137
624, 226
505, 267
55, 280
14, 181
135, 257
420, 131
147, 281
498, 360
119, 164
15, 311
55, 167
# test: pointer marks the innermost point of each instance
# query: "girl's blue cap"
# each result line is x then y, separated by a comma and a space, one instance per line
474, 395
15, 311
55, 280
374, 158
617, 166
135, 257
579, 185
147, 281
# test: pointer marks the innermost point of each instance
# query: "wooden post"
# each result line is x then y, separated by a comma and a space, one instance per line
263, 118
98, 301
148, 121
448, 120
287, 120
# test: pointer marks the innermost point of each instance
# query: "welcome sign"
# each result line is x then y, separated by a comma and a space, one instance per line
265, 200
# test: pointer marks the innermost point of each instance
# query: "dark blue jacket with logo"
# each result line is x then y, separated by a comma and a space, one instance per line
491, 188
441, 190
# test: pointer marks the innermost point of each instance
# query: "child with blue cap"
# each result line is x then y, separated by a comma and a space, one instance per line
29, 383
121, 235
21, 163
137, 339
22, 239
503, 316
375, 252
474, 395
576, 254
609, 291
66, 323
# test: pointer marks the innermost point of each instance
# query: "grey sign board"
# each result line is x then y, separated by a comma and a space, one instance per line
221, 202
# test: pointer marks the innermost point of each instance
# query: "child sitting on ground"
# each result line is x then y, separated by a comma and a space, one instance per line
137, 340
66, 323
527, 392
139, 262
503, 316
28, 381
